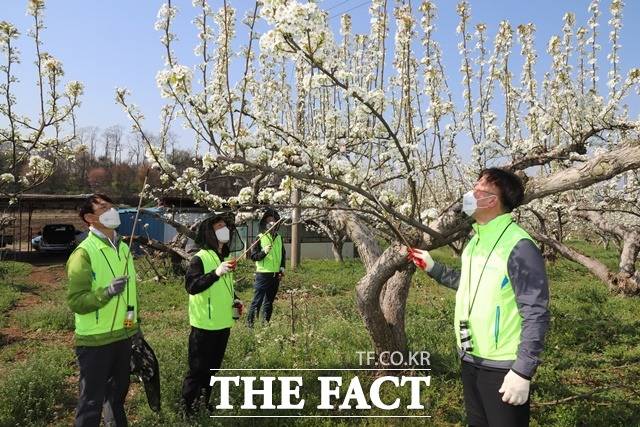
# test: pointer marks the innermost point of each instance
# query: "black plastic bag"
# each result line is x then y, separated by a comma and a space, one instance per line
144, 365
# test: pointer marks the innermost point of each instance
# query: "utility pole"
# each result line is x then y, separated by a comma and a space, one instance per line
295, 195
295, 229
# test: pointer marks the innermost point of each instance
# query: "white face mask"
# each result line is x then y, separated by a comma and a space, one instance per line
223, 235
470, 202
110, 219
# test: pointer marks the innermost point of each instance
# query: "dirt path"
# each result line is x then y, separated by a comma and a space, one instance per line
44, 285
48, 275
42, 281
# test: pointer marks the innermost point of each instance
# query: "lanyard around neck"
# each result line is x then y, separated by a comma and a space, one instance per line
475, 294
113, 273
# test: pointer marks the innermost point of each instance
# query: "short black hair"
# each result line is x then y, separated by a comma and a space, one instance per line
509, 184
87, 205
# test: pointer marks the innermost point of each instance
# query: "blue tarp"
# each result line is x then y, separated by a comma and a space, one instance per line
155, 229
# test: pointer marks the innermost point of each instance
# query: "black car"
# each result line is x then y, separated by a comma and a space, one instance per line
56, 238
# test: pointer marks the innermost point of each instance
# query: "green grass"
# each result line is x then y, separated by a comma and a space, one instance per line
12, 270
8, 297
593, 344
47, 316
12, 275
34, 391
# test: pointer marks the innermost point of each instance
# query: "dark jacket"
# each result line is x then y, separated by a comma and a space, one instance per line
195, 281
531, 287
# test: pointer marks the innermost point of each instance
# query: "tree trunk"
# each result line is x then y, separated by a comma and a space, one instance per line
335, 231
387, 333
560, 231
548, 253
629, 255
394, 301
382, 312
361, 235
336, 248
627, 280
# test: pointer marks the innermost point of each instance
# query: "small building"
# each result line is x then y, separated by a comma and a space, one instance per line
312, 245
63, 208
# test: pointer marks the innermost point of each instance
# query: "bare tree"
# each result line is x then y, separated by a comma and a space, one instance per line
322, 224
112, 138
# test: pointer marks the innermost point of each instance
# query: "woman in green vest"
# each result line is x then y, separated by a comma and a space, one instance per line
210, 283
269, 255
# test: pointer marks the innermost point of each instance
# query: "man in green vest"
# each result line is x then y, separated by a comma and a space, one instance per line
502, 299
102, 293
269, 255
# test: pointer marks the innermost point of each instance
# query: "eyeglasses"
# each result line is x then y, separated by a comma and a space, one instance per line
488, 192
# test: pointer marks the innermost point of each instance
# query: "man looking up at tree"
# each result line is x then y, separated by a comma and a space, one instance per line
102, 294
502, 298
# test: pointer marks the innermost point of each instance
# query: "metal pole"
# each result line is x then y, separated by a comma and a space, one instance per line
20, 225
295, 229
30, 236
295, 196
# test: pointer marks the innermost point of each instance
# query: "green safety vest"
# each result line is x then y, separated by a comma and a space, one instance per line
211, 309
271, 262
494, 322
107, 264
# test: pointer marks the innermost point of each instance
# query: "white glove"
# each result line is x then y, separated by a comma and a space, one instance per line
223, 269
515, 389
422, 259
266, 249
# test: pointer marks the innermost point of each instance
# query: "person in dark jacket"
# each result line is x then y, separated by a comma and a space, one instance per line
502, 303
269, 255
209, 282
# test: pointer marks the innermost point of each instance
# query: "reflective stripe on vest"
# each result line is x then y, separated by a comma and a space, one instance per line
271, 262
211, 308
494, 322
106, 264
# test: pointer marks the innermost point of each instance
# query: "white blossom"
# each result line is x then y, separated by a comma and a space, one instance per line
6, 178
34, 7
39, 166
332, 196
209, 160
74, 89
176, 80
51, 66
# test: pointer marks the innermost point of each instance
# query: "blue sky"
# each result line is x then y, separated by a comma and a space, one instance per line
107, 44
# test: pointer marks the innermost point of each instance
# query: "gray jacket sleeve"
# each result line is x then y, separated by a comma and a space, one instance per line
530, 284
446, 276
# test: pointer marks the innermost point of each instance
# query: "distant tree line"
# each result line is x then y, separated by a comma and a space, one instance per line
110, 161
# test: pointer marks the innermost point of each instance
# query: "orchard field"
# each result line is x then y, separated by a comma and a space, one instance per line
590, 374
